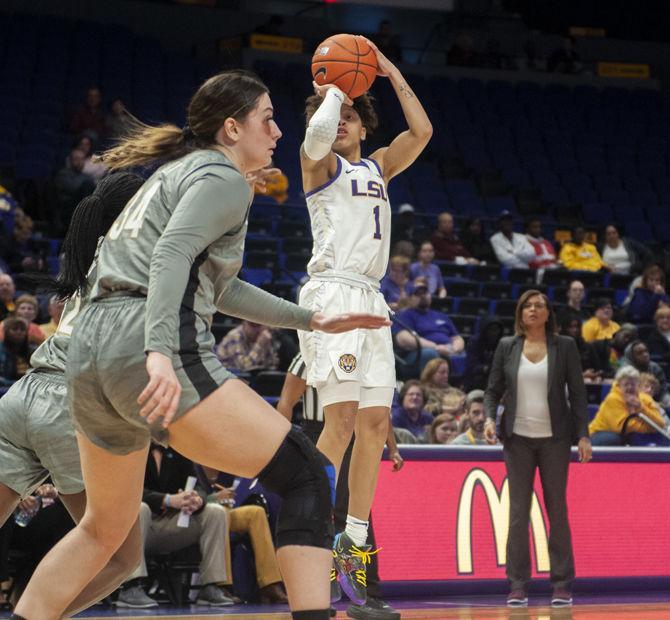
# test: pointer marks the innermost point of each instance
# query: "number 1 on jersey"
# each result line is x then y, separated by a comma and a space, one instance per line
378, 232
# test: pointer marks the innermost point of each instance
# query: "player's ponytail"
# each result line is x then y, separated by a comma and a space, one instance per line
232, 94
90, 221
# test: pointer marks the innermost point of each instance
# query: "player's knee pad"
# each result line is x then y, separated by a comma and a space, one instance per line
305, 480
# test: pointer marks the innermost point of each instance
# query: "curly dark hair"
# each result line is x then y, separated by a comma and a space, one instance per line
363, 106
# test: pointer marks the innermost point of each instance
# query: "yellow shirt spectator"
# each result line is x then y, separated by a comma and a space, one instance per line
613, 412
593, 329
582, 257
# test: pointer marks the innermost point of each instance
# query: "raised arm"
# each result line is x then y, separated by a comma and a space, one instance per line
317, 160
407, 146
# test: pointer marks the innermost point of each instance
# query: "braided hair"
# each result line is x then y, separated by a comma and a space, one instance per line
91, 220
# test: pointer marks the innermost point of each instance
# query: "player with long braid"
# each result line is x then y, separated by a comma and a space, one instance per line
37, 438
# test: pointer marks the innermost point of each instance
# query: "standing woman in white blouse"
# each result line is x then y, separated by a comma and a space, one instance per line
541, 420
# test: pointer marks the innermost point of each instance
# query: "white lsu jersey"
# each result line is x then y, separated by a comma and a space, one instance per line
351, 221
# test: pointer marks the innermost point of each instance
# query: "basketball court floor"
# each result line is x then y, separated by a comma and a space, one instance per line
624, 606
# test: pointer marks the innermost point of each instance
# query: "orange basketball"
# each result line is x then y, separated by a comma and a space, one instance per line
347, 61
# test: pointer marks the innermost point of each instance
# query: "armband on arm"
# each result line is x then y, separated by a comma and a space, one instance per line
322, 129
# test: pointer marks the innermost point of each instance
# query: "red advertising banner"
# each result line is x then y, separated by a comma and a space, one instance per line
447, 520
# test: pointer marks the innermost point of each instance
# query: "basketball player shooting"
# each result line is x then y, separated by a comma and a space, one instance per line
347, 199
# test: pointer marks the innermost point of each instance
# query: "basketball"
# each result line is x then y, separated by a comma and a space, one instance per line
347, 61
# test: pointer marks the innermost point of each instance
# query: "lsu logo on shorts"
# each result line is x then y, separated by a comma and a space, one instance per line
347, 362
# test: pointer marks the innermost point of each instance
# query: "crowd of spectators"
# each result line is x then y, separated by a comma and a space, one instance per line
611, 332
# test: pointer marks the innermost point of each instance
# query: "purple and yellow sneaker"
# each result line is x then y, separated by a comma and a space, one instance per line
350, 562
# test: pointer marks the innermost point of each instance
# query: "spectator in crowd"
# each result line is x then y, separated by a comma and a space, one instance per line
600, 326
512, 249
474, 410
387, 42
446, 242
163, 500
89, 118
649, 296
594, 356
15, 351
95, 170
27, 309
564, 59
7, 294
22, 253
479, 353
623, 255
249, 346
411, 414
435, 381
658, 340
462, 53
404, 248
119, 121
637, 355
545, 254
475, 241
72, 185
55, 311
614, 350
623, 400
453, 402
443, 429
649, 384
404, 437
396, 286
404, 227
426, 268
573, 309
250, 520
437, 334
580, 255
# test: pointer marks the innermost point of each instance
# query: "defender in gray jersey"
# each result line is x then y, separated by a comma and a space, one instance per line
37, 438
140, 355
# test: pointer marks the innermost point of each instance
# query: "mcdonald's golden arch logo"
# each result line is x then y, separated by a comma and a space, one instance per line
498, 504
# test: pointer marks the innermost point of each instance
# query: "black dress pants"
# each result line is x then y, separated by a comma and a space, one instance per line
523, 455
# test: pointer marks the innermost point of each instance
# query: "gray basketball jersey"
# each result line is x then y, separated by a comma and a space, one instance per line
52, 353
184, 232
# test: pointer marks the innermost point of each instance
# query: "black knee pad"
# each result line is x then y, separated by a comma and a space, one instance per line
305, 480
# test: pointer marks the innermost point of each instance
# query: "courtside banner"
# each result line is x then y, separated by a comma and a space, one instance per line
444, 516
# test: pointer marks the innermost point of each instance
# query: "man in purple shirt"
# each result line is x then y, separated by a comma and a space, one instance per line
435, 331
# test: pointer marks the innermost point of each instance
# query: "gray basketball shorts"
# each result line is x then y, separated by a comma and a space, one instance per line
37, 436
106, 372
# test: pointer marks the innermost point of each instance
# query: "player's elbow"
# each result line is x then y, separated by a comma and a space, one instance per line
426, 131
423, 132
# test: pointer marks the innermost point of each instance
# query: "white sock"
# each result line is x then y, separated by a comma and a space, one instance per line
357, 530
